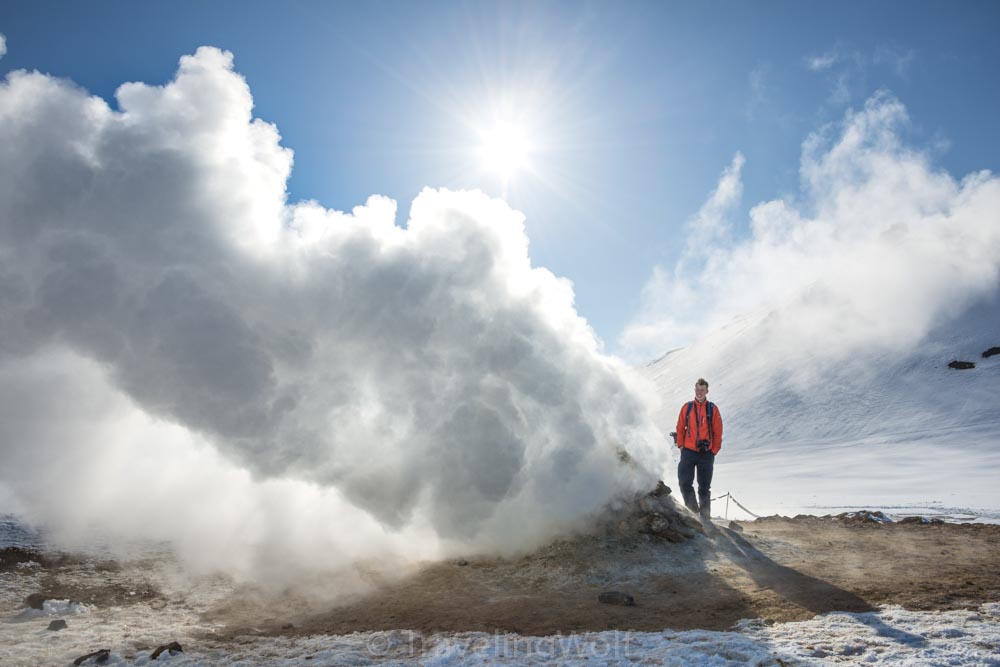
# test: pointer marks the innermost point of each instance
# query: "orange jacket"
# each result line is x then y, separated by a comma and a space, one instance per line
689, 437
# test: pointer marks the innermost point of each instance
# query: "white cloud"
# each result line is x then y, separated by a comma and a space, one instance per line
899, 61
848, 70
713, 222
878, 247
669, 307
425, 378
823, 61
758, 81
841, 86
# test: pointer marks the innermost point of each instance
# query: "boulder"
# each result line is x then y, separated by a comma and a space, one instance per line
36, 601
660, 490
659, 515
922, 520
735, 527
659, 525
961, 365
990, 352
171, 648
616, 597
57, 624
99, 657
651, 513
863, 517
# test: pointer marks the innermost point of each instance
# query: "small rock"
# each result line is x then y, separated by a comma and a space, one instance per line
990, 352
616, 597
660, 526
961, 365
100, 657
461, 562
915, 519
735, 526
36, 601
57, 624
660, 490
12, 556
863, 517
172, 647
288, 626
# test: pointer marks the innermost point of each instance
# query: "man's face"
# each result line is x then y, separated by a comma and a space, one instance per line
700, 391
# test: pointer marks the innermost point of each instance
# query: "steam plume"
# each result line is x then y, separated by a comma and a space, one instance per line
187, 354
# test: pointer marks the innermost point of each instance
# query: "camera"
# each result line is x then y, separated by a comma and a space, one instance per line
704, 445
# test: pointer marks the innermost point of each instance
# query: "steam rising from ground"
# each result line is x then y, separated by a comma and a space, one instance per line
370, 388
878, 249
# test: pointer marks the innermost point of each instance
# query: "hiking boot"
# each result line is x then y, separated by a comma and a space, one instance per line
689, 500
705, 511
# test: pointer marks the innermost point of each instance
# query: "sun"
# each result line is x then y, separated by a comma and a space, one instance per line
505, 149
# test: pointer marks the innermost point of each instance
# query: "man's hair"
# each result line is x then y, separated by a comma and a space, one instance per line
703, 382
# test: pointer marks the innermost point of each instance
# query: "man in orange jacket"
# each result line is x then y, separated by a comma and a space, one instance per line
699, 437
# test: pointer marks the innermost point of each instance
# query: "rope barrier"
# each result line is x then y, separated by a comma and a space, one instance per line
728, 496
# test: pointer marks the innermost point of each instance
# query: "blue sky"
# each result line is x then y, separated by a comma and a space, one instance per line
635, 109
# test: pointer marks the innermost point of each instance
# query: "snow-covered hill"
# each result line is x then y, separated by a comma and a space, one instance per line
810, 424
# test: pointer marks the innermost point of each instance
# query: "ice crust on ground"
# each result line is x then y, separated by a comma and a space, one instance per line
891, 636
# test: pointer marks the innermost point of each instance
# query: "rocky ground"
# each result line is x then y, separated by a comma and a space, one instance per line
679, 575
775, 569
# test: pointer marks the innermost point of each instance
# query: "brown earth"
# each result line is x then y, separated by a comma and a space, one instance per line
103, 583
776, 569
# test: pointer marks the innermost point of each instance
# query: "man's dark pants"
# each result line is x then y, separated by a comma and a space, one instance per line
699, 463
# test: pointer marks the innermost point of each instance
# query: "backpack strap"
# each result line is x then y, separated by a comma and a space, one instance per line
709, 409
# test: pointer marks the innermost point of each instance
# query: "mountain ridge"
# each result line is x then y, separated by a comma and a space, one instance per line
793, 413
